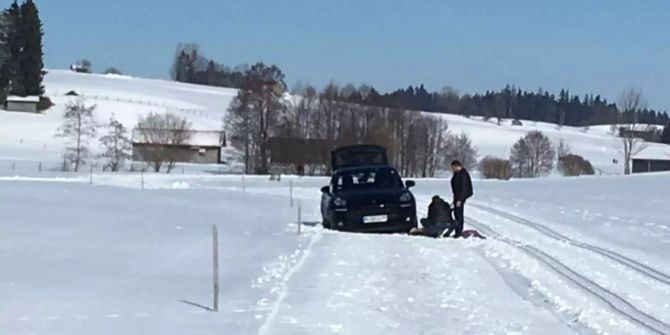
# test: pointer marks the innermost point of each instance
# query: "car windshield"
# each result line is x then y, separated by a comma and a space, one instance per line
380, 178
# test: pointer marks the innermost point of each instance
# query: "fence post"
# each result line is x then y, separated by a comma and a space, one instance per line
244, 183
39, 167
142, 178
215, 267
290, 191
299, 217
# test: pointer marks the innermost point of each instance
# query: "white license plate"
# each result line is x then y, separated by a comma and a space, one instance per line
375, 218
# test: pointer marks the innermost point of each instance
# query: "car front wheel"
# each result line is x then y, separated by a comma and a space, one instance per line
326, 224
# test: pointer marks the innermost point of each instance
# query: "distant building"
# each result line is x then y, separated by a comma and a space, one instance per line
653, 159
22, 104
645, 134
202, 147
81, 66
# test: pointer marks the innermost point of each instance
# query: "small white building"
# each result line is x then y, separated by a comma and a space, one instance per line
22, 104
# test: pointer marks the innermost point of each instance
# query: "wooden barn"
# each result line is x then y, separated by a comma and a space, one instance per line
652, 159
22, 104
199, 146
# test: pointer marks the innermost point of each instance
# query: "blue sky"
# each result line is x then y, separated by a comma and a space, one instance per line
599, 46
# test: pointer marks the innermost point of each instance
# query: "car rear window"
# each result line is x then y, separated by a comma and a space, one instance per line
367, 179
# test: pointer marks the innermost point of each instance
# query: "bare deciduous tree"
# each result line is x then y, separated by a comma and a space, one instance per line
459, 147
563, 148
162, 136
78, 128
532, 156
116, 144
256, 114
630, 104
239, 122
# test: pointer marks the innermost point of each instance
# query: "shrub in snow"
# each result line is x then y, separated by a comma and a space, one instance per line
574, 165
532, 156
495, 168
112, 70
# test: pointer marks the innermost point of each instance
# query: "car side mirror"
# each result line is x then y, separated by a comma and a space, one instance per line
410, 183
325, 189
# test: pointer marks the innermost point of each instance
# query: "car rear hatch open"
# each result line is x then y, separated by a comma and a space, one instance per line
358, 155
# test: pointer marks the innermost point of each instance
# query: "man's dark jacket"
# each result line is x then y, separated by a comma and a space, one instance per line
461, 185
439, 212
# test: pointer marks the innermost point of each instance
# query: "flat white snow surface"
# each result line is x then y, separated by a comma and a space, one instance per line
562, 256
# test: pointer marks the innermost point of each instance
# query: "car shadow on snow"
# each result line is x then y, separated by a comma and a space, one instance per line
310, 223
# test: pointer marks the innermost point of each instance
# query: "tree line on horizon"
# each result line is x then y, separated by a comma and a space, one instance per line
510, 102
21, 55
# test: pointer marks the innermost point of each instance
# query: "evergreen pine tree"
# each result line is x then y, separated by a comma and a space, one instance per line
15, 82
4, 54
31, 62
665, 138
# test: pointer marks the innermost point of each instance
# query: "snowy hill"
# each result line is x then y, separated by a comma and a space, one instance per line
26, 136
30, 137
110, 258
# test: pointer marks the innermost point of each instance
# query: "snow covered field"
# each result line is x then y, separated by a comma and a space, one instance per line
29, 139
563, 256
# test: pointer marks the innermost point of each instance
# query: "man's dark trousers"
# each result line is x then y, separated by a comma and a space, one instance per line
459, 216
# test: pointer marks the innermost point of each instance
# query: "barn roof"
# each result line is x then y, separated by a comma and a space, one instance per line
197, 138
30, 98
655, 152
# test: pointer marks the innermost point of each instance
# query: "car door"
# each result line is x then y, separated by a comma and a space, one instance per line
325, 200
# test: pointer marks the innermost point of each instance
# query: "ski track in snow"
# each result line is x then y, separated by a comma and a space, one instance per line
615, 303
637, 266
270, 319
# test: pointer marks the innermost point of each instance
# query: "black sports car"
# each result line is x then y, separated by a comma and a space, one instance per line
366, 194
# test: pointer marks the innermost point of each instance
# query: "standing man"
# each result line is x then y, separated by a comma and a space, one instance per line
461, 187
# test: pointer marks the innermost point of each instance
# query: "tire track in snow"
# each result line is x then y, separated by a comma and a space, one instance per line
520, 284
630, 263
615, 303
270, 319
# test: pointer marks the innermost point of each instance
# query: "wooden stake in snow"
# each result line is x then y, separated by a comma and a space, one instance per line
290, 191
244, 183
90, 176
299, 217
142, 178
215, 263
